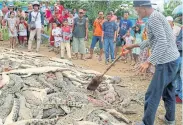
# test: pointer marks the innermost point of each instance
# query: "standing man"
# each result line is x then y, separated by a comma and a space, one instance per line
165, 57
179, 78
75, 14
97, 33
114, 17
109, 29
30, 8
80, 34
124, 26
60, 8
38, 18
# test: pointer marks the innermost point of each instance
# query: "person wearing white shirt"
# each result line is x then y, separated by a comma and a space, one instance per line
57, 34
37, 17
176, 29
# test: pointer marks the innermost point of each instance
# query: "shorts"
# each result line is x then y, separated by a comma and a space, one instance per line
57, 43
22, 38
95, 39
120, 42
79, 45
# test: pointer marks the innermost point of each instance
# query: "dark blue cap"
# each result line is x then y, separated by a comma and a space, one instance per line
140, 3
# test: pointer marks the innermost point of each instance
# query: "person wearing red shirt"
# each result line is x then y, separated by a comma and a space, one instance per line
59, 7
48, 13
65, 43
65, 14
22, 30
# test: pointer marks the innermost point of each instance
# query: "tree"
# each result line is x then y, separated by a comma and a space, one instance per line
170, 6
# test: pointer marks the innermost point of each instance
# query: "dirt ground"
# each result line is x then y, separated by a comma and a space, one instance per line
133, 83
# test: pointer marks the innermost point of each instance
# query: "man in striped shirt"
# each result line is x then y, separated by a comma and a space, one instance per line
165, 57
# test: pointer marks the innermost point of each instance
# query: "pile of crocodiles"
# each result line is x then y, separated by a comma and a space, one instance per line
38, 90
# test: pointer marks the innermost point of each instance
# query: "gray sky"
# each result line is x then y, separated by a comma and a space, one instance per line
159, 3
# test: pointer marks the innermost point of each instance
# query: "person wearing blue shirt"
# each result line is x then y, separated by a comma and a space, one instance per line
109, 30
124, 25
178, 80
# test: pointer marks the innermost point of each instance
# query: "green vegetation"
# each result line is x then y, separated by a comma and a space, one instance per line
169, 7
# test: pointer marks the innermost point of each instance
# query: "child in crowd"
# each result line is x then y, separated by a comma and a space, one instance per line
22, 28
145, 53
137, 40
70, 19
12, 23
65, 44
129, 40
57, 34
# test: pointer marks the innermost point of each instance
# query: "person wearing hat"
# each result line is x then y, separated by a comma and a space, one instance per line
4, 9
37, 17
10, 9
80, 34
176, 29
165, 57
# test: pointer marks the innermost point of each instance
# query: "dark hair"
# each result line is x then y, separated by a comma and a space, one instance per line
56, 23
118, 18
21, 18
109, 13
134, 29
65, 20
125, 12
112, 11
100, 11
12, 12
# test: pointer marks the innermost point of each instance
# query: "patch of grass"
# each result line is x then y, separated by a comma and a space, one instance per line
5, 34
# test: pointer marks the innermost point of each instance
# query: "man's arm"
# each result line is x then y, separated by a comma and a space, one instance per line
73, 24
103, 29
144, 44
86, 28
160, 40
29, 19
118, 28
94, 25
115, 33
42, 19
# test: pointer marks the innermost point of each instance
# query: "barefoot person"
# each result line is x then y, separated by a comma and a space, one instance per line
12, 24
165, 57
97, 33
80, 34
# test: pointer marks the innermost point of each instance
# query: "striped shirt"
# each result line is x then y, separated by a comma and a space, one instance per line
160, 40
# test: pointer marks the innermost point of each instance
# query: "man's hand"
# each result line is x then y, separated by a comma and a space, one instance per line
129, 47
114, 40
144, 66
102, 39
86, 38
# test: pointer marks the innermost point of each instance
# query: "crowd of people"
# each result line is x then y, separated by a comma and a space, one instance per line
69, 32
